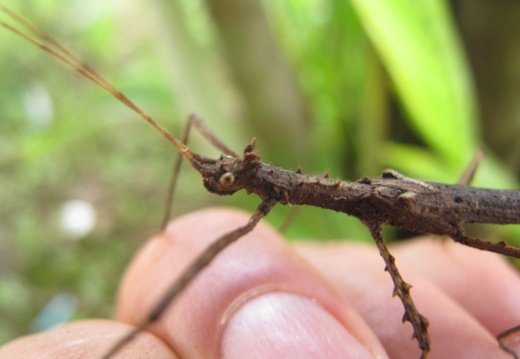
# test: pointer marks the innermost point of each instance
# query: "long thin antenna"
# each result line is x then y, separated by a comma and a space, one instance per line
53, 47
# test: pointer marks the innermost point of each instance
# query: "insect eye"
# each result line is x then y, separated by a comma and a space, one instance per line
227, 179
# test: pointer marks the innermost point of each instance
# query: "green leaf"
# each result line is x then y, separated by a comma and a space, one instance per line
421, 52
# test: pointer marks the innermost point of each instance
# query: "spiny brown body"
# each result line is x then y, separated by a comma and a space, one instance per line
393, 198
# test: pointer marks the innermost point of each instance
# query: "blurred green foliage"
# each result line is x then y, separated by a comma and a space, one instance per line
353, 87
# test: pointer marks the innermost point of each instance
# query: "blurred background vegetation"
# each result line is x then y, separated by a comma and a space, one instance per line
351, 86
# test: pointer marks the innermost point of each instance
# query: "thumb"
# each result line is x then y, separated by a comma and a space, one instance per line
257, 299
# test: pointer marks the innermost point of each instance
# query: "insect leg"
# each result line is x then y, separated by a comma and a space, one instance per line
469, 172
288, 219
402, 290
191, 272
212, 138
505, 334
498, 247
501, 248
197, 122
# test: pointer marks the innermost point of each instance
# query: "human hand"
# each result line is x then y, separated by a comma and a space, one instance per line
265, 298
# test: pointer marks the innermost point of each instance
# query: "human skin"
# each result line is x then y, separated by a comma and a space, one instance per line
265, 298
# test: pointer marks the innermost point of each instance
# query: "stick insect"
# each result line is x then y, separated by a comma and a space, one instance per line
391, 199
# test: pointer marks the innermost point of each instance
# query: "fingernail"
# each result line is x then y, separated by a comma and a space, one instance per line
282, 325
